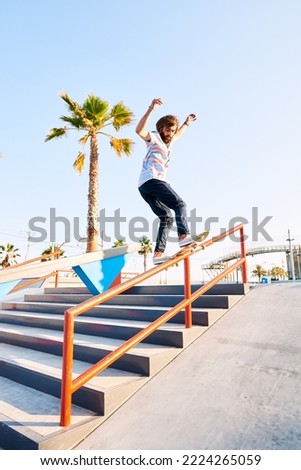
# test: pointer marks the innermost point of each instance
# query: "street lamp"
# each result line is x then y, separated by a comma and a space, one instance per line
292, 268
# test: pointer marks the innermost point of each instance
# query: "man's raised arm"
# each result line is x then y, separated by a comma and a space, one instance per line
141, 126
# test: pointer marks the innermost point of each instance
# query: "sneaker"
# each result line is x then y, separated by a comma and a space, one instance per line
159, 257
185, 240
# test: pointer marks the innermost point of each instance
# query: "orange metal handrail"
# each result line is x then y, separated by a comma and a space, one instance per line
53, 254
33, 281
70, 386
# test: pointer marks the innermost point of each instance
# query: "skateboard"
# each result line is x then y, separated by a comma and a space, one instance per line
197, 241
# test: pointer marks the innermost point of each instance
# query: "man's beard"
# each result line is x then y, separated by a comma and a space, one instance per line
166, 138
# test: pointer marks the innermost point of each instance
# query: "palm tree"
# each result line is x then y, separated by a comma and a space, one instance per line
282, 273
8, 255
278, 273
118, 243
92, 117
259, 271
146, 247
52, 249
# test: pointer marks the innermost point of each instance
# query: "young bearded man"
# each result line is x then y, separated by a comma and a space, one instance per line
153, 185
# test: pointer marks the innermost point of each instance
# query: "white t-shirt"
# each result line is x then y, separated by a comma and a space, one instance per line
156, 161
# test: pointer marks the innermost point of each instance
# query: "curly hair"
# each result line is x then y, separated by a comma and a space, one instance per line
168, 121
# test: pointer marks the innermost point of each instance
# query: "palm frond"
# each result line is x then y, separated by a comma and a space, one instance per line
96, 108
121, 115
122, 146
78, 114
72, 105
56, 132
79, 163
84, 139
74, 121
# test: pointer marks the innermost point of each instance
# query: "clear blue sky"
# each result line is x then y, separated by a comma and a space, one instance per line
235, 63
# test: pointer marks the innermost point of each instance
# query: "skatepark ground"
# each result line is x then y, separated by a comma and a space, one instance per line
236, 387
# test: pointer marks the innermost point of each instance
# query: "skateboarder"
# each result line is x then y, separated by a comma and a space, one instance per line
153, 186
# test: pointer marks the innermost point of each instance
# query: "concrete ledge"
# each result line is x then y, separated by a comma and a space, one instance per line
40, 269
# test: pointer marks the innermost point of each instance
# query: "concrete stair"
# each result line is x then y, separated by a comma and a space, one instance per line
31, 340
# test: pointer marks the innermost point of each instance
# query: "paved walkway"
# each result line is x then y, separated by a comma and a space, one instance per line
236, 387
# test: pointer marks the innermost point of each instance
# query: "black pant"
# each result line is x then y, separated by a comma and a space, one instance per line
161, 198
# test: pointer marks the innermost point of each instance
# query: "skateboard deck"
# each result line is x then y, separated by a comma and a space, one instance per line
197, 241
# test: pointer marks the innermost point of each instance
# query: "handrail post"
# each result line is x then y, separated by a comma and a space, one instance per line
187, 292
243, 255
56, 282
66, 392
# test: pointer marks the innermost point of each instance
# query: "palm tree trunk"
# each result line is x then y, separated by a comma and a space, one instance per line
93, 212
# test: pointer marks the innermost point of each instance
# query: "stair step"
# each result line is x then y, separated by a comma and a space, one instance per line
30, 420
171, 334
163, 289
102, 394
145, 358
205, 301
202, 317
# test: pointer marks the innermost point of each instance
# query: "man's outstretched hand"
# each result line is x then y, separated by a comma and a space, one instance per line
156, 102
190, 118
